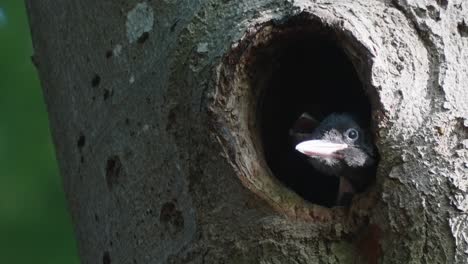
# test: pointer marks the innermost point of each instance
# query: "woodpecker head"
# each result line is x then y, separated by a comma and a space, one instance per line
335, 145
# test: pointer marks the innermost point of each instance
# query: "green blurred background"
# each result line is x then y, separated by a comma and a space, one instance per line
35, 225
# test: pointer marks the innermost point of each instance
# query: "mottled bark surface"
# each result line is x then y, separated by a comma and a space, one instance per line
152, 107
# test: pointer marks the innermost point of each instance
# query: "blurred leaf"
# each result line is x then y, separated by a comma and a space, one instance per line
35, 226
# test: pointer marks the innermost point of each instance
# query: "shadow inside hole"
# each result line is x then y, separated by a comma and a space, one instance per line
309, 73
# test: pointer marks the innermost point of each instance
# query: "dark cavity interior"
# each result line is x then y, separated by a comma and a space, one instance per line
307, 71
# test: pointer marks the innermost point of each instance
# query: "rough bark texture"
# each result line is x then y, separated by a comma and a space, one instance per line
152, 107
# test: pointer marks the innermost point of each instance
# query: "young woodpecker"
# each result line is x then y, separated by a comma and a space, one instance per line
338, 147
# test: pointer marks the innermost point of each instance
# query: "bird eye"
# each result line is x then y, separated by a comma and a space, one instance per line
352, 134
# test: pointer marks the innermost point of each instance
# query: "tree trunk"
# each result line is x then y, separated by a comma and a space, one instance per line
163, 117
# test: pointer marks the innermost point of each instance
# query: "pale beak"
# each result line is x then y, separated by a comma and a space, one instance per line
320, 148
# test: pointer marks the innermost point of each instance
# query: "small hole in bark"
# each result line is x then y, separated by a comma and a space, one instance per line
81, 141
96, 80
276, 73
107, 94
113, 171
109, 54
141, 39
106, 258
463, 28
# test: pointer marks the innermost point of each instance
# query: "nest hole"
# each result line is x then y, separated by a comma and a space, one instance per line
276, 72
304, 69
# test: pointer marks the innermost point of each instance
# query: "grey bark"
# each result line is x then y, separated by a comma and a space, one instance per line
149, 105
